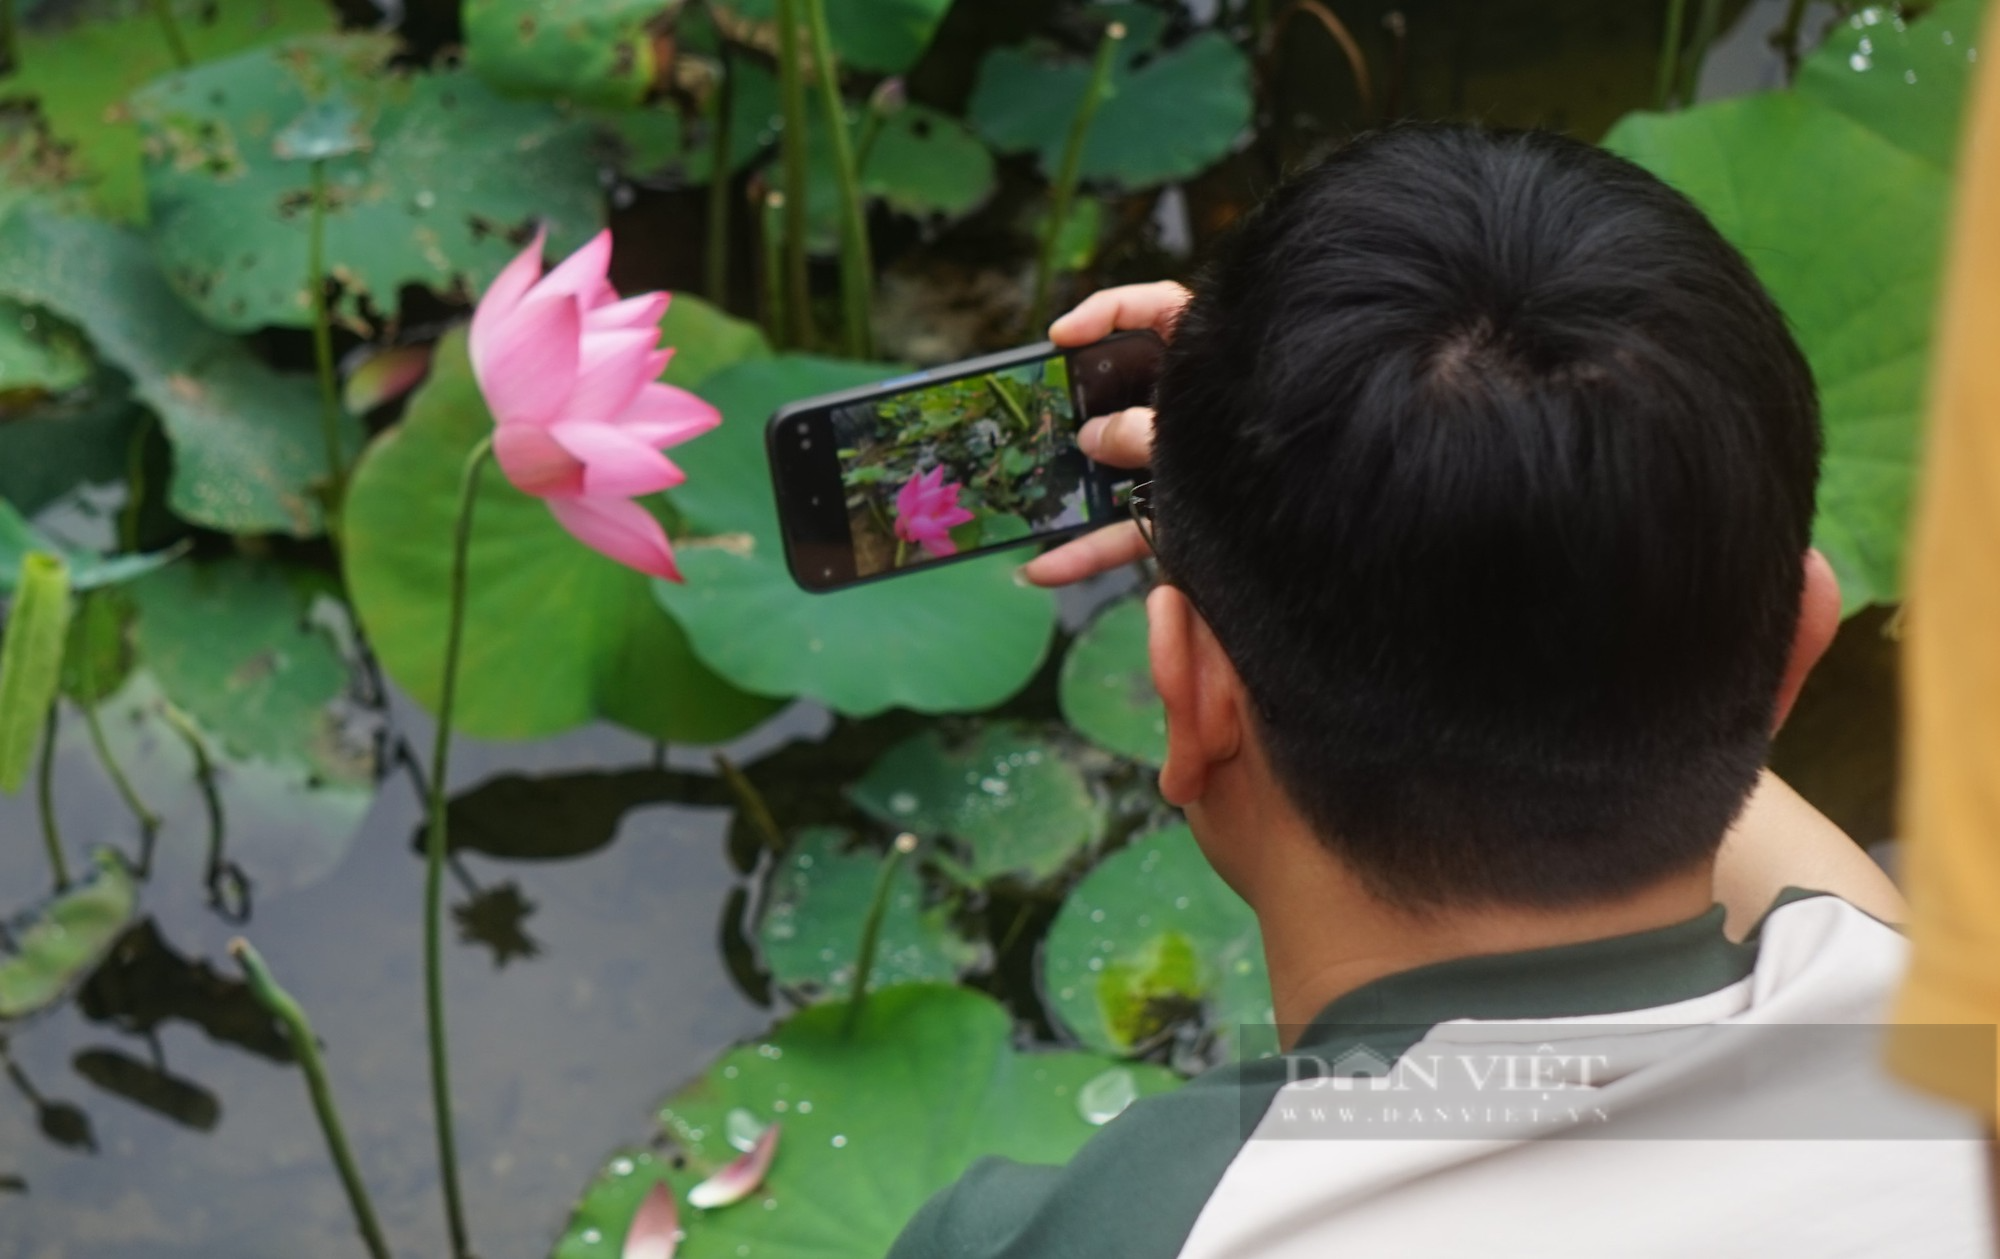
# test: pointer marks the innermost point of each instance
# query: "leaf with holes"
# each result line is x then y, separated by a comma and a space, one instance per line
1150, 937
555, 634
920, 162
960, 637
590, 52
452, 177
873, 1124
880, 35
813, 916
1014, 799
246, 440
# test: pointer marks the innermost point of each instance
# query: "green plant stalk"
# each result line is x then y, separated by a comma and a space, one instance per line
792, 151
135, 479
1670, 54
771, 228
857, 265
1066, 175
8, 46
329, 385
1009, 403
716, 278
1706, 24
871, 929
170, 30
1787, 37
864, 144
751, 803
148, 820
286, 1009
204, 778
31, 656
434, 853
45, 803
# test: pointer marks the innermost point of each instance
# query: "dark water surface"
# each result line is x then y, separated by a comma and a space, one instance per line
558, 1056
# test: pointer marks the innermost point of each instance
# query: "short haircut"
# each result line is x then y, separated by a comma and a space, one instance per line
1491, 465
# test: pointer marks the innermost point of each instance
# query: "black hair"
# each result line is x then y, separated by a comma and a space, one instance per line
1491, 465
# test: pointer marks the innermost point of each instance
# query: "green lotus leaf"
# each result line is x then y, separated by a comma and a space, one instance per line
1014, 799
235, 644
881, 35
1168, 117
80, 74
49, 948
1906, 81
99, 654
659, 138
590, 52
811, 923
1150, 937
555, 634
246, 440
58, 444
451, 180
921, 163
1845, 229
38, 355
872, 1126
960, 637
1106, 686
87, 569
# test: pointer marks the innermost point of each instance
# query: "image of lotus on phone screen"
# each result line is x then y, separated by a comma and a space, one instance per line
958, 461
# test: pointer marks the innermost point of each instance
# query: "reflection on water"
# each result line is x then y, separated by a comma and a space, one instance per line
156, 1113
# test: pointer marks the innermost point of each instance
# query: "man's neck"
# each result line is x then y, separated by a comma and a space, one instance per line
1326, 936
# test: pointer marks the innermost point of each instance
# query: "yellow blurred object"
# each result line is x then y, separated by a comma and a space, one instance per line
1951, 816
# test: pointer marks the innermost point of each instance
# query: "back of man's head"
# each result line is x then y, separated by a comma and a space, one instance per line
1491, 465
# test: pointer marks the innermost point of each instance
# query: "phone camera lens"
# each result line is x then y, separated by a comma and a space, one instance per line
1103, 366
805, 443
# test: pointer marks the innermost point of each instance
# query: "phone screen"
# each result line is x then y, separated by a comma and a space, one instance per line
972, 457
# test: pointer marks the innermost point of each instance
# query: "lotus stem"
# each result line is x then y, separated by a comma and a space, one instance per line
45, 801
720, 108
1706, 23
772, 228
1350, 48
1670, 55
286, 1009
8, 46
329, 385
1066, 176
435, 847
170, 30
148, 820
871, 928
750, 802
217, 869
857, 266
792, 150
1787, 37
135, 477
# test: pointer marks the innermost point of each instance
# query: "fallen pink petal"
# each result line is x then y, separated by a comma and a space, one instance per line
655, 1232
570, 371
741, 1178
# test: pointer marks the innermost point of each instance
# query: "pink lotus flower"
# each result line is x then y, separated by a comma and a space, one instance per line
571, 374
927, 509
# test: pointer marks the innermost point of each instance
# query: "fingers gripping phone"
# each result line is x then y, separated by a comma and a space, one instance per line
958, 461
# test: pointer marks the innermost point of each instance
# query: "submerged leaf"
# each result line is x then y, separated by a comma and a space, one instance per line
743, 1177
58, 943
655, 1231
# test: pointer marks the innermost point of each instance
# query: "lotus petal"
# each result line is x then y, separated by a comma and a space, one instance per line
741, 1178
656, 1226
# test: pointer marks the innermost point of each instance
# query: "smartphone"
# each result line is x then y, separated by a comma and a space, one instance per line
957, 461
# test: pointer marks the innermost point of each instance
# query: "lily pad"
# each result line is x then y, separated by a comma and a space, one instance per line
1150, 937
589, 52
452, 178
79, 76
87, 569
234, 644
960, 637
1906, 81
881, 35
52, 447
247, 445
38, 355
873, 1125
555, 634
1846, 230
1170, 114
813, 917
922, 163
1106, 687
57, 944
1013, 798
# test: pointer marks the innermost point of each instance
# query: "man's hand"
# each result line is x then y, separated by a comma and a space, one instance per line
1123, 439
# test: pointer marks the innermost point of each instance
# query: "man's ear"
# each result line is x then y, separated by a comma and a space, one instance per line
1819, 621
1202, 694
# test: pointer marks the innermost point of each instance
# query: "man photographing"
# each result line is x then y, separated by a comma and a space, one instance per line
1484, 473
